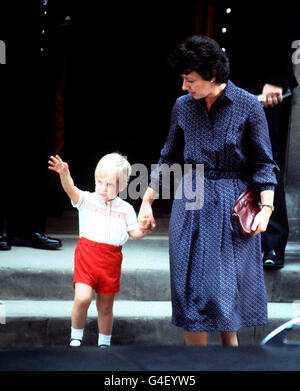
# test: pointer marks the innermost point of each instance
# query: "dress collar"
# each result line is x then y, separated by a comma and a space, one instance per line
229, 91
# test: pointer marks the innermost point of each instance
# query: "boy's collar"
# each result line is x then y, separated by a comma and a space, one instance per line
114, 202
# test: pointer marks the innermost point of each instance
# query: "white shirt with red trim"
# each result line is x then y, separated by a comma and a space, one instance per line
105, 222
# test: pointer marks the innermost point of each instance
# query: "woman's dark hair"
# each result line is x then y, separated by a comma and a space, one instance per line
203, 55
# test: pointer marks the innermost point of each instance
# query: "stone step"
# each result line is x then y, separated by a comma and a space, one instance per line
47, 275
36, 323
41, 275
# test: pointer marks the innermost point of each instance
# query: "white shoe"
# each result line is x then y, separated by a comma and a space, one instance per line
74, 343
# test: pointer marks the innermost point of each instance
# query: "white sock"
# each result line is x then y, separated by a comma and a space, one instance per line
104, 339
76, 334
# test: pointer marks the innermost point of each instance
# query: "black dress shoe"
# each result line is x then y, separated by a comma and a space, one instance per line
4, 243
36, 240
273, 260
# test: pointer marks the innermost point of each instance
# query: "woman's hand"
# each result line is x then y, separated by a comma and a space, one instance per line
142, 230
146, 212
145, 224
261, 220
146, 215
56, 164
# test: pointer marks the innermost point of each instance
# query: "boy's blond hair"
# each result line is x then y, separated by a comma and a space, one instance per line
115, 164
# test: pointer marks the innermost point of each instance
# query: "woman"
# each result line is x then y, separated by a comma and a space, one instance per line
217, 278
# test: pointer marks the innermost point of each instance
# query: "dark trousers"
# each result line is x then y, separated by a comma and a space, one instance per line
26, 113
277, 233
24, 177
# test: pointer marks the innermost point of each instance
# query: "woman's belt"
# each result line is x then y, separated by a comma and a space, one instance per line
217, 174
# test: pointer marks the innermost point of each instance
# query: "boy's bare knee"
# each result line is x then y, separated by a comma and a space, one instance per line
82, 301
105, 304
104, 310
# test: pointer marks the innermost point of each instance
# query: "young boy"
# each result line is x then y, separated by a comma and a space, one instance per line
105, 220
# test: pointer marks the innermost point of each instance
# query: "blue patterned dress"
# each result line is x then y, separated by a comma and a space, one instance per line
217, 280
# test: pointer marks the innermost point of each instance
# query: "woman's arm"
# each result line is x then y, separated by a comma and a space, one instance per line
56, 164
171, 153
263, 167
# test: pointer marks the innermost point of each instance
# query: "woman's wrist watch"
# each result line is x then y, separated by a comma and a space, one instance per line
268, 206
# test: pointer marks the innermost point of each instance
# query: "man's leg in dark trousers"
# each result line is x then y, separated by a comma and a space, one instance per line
274, 240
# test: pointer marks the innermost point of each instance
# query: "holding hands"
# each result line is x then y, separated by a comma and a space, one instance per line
145, 215
145, 223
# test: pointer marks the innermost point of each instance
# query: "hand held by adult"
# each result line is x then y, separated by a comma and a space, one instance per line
146, 219
146, 211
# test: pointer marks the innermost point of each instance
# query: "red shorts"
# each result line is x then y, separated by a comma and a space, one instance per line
98, 265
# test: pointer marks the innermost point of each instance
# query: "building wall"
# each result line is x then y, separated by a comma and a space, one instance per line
293, 164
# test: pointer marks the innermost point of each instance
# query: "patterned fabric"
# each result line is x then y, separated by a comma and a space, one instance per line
217, 280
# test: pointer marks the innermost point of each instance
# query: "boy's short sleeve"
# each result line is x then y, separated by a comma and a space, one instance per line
80, 200
131, 220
